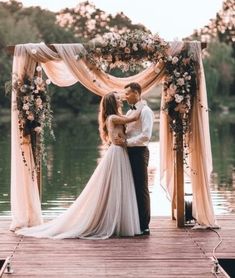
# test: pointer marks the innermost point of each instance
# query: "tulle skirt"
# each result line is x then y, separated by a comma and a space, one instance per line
107, 206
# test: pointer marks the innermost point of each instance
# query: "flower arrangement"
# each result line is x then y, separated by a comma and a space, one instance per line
179, 89
35, 114
127, 51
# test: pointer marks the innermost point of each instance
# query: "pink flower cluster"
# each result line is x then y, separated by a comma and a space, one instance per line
128, 51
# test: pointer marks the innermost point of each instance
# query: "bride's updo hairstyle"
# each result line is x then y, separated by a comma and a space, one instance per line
108, 106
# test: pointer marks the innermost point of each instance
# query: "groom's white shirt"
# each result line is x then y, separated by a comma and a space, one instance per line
139, 132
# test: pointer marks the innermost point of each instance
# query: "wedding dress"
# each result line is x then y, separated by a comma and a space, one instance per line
107, 206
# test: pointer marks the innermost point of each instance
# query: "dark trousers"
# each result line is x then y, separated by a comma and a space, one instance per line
139, 158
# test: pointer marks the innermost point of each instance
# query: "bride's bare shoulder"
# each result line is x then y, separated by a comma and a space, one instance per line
114, 118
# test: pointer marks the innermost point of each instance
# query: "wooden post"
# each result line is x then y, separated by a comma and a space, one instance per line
39, 171
179, 180
173, 201
39, 179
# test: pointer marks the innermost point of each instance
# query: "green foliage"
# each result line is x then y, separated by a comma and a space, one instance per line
220, 62
33, 24
75, 98
86, 22
219, 70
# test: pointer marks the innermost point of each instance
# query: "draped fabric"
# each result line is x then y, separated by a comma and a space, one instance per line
64, 69
200, 157
25, 202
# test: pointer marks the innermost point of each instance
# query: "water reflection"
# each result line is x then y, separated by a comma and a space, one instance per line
74, 156
222, 128
71, 160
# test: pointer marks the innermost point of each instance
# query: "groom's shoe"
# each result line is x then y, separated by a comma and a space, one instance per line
146, 232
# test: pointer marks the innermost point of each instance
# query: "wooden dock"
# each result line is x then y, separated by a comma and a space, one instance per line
168, 252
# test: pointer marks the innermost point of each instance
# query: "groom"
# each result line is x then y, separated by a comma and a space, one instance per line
138, 136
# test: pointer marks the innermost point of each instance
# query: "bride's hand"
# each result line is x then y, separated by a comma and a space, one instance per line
119, 141
137, 112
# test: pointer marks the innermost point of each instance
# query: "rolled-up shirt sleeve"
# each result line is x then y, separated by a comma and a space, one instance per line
144, 136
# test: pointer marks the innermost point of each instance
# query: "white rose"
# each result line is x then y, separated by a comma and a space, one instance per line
135, 47
123, 43
48, 81
175, 60
23, 88
176, 73
180, 81
38, 81
178, 98
189, 77
169, 58
25, 107
33, 51
38, 68
113, 43
38, 101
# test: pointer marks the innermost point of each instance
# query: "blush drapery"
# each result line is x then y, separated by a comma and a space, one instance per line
64, 69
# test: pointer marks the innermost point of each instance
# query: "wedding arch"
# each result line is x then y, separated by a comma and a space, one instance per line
184, 127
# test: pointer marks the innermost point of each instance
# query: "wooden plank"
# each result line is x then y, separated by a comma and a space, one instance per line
11, 48
167, 252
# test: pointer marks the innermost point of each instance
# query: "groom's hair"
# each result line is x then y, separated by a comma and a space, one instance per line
134, 86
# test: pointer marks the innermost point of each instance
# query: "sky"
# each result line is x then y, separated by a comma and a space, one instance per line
171, 19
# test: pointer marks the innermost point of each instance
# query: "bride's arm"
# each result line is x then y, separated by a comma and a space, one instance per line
117, 120
121, 119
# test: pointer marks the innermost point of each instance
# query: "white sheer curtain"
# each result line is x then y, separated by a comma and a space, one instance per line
63, 69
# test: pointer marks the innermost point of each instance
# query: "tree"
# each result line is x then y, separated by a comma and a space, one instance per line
219, 33
222, 27
219, 70
86, 22
33, 24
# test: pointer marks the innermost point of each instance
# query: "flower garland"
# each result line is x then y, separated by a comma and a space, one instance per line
35, 114
179, 89
128, 52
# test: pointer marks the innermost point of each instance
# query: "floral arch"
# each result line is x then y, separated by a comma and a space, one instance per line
184, 127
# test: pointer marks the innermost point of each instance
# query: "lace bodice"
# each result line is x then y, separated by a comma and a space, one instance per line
115, 131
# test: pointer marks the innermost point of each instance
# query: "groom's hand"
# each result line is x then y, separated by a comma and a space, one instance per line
119, 141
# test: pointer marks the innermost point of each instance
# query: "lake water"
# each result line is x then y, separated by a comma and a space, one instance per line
74, 156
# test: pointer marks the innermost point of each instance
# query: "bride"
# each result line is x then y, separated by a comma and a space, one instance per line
107, 205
